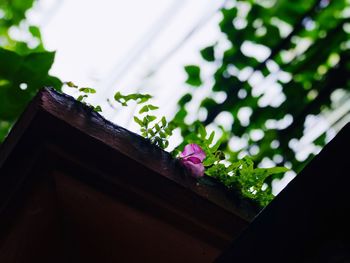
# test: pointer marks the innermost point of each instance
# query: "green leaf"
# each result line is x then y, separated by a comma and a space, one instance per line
147, 108
71, 84
168, 130
39, 62
144, 109
247, 164
138, 121
142, 98
208, 53
193, 75
98, 108
87, 90
185, 99
35, 31
150, 118
270, 171
151, 132
211, 138
138, 98
162, 134
166, 144
164, 122
215, 147
81, 98
152, 107
209, 161
10, 63
160, 143
202, 131
157, 127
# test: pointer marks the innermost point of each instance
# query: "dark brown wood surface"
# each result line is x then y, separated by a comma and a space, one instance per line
58, 137
309, 221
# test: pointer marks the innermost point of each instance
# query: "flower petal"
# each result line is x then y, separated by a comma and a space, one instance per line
193, 150
193, 159
197, 170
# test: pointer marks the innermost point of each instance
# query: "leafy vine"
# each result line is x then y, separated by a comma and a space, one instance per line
202, 155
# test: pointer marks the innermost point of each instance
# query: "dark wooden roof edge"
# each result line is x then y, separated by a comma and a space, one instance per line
91, 123
19, 129
312, 210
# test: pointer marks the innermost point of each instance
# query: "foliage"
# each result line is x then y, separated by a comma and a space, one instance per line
243, 177
139, 98
194, 77
21, 76
156, 131
13, 17
84, 94
238, 175
24, 65
315, 72
306, 47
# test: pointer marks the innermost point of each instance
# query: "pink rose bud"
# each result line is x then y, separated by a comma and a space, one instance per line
192, 158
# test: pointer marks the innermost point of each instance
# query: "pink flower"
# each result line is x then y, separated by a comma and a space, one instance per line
192, 158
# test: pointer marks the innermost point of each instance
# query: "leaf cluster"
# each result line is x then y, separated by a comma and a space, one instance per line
84, 93
124, 99
13, 13
238, 175
243, 177
314, 71
21, 77
157, 131
24, 68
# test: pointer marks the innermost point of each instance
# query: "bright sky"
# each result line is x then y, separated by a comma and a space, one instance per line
113, 45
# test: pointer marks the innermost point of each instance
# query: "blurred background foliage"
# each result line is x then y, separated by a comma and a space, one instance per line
280, 65
280, 68
24, 64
